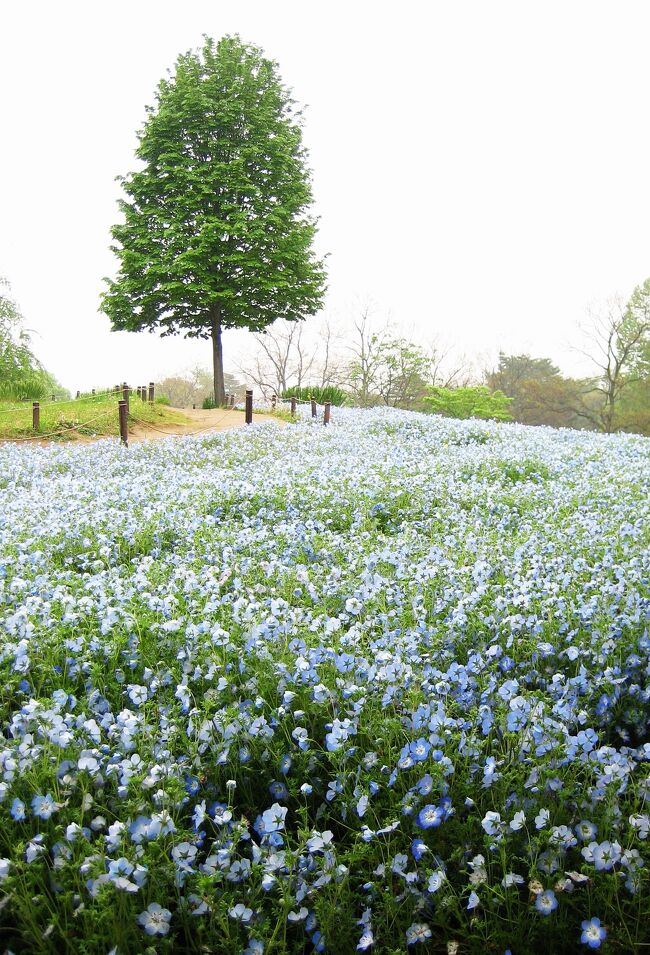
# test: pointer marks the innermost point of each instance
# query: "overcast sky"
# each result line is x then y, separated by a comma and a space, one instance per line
481, 169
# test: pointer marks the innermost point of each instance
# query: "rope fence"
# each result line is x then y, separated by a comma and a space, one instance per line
146, 394
52, 434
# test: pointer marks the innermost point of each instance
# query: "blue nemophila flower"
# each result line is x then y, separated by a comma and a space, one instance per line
240, 913
490, 774
491, 823
255, 947
137, 694
44, 806
278, 790
593, 933
604, 855
435, 880
418, 849
155, 919
367, 940
271, 820
18, 810
586, 831
418, 932
473, 902
546, 902
430, 816
518, 821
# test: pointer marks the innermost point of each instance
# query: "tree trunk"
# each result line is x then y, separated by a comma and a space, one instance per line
217, 356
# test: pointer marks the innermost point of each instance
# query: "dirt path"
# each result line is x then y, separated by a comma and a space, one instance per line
202, 422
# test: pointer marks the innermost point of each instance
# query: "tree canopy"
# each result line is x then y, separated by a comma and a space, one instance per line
217, 232
21, 373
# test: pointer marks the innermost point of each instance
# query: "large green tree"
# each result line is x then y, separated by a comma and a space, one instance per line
217, 232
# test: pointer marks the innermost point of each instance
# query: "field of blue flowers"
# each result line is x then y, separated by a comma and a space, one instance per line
382, 686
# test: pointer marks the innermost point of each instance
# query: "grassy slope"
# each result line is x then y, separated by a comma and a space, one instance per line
87, 416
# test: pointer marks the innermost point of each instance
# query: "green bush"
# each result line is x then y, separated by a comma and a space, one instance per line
331, 393
470, 402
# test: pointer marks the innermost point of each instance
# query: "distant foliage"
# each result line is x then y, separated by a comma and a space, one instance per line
21, 374
192, 386
331, 393
471, 402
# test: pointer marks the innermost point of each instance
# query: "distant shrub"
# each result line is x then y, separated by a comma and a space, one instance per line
331, 393
470, 402
162, 400
208, 403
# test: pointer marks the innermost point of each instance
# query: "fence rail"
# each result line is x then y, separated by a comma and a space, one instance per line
146, 394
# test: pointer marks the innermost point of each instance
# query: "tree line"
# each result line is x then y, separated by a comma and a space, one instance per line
366, 364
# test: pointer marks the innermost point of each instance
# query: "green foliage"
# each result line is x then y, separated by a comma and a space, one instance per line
216, 230
21, 374
541, 395
331, 393
470, 402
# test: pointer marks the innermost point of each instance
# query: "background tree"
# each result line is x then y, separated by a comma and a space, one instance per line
21, 373
363, 369
540, 394
283, 358
402, 371
619, 345
194, 386
217, 231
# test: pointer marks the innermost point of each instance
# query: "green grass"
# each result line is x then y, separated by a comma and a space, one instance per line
66, 420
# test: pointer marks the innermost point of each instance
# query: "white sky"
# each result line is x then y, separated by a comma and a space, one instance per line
481, 169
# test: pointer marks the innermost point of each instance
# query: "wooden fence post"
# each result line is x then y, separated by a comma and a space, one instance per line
313, 407
151, 392
78, 395
327, 412
36, 415
125, 394
123, 410
232, 400
294, 405
274, 398
249, 406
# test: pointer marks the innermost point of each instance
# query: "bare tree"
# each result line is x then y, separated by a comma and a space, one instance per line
284, 358
445, 368
330, 365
